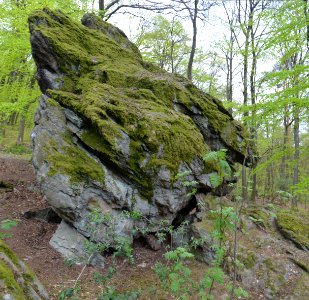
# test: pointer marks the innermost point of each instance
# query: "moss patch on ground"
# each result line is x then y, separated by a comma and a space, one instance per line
294, 225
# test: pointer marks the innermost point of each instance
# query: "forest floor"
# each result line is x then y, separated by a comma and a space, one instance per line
30, 240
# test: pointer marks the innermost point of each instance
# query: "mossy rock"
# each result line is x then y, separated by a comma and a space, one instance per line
115, 130
258, 215
100, 75
17, 281
247, 257
294, 225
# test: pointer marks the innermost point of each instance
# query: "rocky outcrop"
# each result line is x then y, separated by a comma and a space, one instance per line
112, 131
17, 281
294, 225
268, 266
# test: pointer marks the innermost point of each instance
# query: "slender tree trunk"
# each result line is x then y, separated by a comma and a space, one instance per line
283, 167
253, 100
101, 5
13, 118
296, 151
245, 93
2, 128
193, 47
244, 192
229, 76
172, 57
21, 131
306, 12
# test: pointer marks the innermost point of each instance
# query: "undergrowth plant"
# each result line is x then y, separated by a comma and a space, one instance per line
121, 246
174, 274
6, 225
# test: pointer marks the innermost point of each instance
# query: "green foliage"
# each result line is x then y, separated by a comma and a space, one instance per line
225, 218
69, 293
17, 84
218, 158
284, 195
70, 261
112, 294
239, 292
191, 184
7, 225
19, 90
103, 279
284, 102
176, 277
301, 188
18, 149
121, 244
164, 43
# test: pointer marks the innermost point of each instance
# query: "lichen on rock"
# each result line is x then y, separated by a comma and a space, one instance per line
115, 130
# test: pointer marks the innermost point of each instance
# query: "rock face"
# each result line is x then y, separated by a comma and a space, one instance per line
17, 281
112, 131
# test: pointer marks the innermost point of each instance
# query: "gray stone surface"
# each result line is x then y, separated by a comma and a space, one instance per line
71, 245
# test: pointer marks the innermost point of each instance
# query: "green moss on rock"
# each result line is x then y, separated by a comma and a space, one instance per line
72, 161
294, 225
108, 85
11, 285
4, 248
15, 276
248, 258
258, 215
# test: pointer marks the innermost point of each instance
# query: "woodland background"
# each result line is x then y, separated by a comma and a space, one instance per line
256, 35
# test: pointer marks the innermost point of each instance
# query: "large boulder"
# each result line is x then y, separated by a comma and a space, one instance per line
112, 131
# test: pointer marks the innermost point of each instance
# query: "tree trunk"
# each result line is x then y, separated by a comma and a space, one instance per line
296, 151
2, 128
253, 100
244, 192
193, 46
21, 131
229, 94
306, 12
101, 5
283, 166
13, 118
245, 103
229, 74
